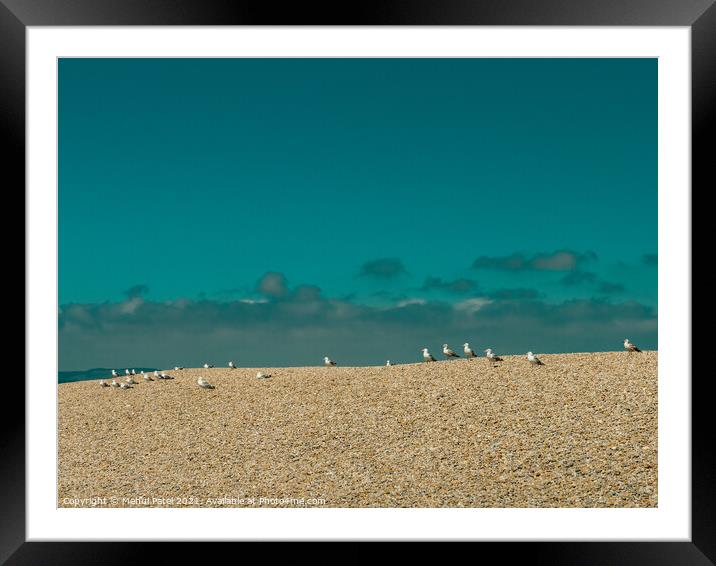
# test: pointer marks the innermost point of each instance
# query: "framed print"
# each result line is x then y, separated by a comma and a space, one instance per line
406, 275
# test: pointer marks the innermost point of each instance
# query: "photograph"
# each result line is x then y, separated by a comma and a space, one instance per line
357, 282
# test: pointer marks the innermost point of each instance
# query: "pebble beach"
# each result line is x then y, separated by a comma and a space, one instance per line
579, 431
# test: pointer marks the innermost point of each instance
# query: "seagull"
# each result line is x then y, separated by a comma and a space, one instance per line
232, 365
534, 360
427, 356
629, 347
133, 372
262, 375
388, 364
165, 376
126, 372
492, 357
156, 374
203, 383
103, 383
448, 353
207, 366
114, 373
469, 353
177, 368
147, 377
125, 386
328, 362
114, 383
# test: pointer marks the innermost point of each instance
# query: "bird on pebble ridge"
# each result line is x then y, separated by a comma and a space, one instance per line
204, 384
534, 360
427, 356
490, 355
629, 347
448, 353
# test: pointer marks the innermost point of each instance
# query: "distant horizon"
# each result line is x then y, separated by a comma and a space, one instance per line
287, 209
437, 353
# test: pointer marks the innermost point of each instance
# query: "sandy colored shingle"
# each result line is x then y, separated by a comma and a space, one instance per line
580, 431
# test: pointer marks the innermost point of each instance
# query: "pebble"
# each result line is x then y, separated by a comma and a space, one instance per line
579, 431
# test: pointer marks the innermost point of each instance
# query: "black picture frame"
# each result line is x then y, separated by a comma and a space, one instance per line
699, 15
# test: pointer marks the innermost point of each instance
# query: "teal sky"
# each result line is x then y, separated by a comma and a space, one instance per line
379, 181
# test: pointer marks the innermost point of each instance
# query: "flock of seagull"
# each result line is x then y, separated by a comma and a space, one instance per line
129, 379
470, 353
130, 374
489, 354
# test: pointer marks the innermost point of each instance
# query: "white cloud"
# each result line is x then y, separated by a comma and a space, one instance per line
408, 302
472, 305
129, 306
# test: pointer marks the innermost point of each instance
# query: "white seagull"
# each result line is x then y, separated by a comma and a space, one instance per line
103, 383
469, 353
114, 383
427, 356
448, 353
130, 380
156, 374
203, 383
492, 357
534, 360
388, 364
134, 372
126, 372
177, 368
629, 347
262, 375
147, 377
125, 386
328, 361
232, 365
114, 373
207, 366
